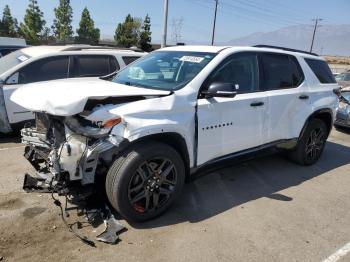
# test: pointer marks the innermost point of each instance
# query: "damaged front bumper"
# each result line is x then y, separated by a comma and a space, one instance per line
64, 160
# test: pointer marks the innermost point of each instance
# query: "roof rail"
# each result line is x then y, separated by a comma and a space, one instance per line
286, 49
87, 47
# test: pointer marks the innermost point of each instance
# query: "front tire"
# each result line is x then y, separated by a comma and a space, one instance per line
144, 182
311, 144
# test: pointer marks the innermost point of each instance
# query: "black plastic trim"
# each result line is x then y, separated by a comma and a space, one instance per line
286, 49
244, 155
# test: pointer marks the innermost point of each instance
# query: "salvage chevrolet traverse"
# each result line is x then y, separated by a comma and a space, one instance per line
172, 112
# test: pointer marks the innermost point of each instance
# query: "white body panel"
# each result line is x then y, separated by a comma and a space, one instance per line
282, 116
15, 112
68, 97
286, 113
227, 125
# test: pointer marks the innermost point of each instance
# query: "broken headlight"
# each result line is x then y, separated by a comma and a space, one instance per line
87, 128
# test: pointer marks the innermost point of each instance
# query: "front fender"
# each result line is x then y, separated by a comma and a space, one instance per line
132, 135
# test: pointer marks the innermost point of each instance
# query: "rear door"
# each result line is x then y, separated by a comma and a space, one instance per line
287, 94
94, 65
45, 69
229, 125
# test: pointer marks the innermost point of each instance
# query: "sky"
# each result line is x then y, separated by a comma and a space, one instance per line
236, 18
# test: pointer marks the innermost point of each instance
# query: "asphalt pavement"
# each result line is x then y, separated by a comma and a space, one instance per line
267, 209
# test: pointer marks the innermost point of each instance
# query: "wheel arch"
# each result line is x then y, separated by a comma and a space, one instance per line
175, 140
324, 114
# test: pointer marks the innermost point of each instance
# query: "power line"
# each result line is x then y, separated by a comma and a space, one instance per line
259, 12
238, 15
286, 10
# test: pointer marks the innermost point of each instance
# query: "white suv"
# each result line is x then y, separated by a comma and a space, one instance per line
173, 112
43, 63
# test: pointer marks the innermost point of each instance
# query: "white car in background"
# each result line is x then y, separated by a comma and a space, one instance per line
9, 45
44, 63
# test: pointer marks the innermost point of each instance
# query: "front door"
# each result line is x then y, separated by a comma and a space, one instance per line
229, 125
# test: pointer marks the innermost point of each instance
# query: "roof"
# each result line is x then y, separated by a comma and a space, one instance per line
217, 49
35, 51
195, 48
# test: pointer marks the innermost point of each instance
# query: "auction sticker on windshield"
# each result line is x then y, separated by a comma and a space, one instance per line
22, 58
192, 59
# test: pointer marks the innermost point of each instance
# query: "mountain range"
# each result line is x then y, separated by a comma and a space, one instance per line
329, 39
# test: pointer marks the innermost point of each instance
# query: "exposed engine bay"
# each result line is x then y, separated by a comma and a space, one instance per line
71, 150
68, 153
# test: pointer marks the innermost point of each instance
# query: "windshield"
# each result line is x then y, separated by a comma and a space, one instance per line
11, 60
343, 77
165, 70
346, 95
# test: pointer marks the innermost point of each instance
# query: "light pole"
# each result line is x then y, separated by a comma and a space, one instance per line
165, 23
214, 25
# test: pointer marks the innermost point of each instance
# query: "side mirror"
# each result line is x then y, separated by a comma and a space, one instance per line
217, 89
13, 80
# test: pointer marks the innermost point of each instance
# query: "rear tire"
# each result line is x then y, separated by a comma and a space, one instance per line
144, 182
311, 144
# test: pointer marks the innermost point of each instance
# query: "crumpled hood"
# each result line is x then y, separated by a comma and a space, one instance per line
68, 96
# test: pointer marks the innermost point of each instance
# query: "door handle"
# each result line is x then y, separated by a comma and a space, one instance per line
257, 104
303, 97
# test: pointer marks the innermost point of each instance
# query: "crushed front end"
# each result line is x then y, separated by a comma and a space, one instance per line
68, 152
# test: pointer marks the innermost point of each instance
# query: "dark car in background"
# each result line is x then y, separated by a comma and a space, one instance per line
343, 110
343, 79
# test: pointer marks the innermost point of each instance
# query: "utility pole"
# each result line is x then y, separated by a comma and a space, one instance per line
214, 25
315, 28
165, 23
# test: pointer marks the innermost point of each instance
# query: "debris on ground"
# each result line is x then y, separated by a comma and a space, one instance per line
113, 227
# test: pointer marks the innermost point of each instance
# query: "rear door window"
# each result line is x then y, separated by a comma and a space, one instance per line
129, 59
45, 69
280, 71
94, 65
321, 70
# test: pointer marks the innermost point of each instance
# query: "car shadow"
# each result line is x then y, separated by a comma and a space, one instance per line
229, 187
10, 138
345, 130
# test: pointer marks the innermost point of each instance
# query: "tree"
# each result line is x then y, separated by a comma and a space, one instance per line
33, 25
127, 33
146, 35
8, 25
87, 33
62, 25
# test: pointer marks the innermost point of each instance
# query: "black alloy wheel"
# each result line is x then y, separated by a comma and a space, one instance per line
315, 144
152, 185
145, 180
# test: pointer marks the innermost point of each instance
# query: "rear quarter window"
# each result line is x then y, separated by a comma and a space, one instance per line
321, 70
129, 59
279, 71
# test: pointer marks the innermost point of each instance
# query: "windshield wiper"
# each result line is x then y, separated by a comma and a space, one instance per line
133, 84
